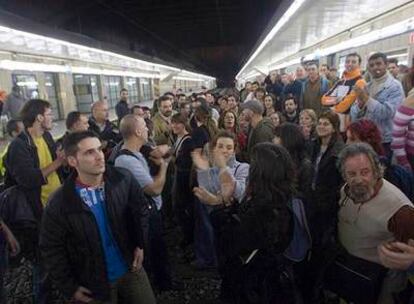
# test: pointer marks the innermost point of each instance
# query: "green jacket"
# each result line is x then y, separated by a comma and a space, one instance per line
162, 132
263, 132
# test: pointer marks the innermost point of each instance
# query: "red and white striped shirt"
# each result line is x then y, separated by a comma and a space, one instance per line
403, 134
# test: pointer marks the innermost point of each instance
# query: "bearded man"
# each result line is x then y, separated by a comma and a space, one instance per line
372, 211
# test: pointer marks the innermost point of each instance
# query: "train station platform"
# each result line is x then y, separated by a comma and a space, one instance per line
59, 127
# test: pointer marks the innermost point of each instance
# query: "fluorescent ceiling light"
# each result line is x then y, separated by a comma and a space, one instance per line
185, 73
31, 66
107, 72
280, 23
80, 47
188, 78
41, 67
19, 38
397, 55
385, 32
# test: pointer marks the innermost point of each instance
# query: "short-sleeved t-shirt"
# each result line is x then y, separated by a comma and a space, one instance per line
45, 159
138, 166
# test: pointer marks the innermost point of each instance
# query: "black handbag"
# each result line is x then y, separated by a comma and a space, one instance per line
15, 209
355, 280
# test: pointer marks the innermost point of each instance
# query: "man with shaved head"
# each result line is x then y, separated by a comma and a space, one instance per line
100, 124
135, 134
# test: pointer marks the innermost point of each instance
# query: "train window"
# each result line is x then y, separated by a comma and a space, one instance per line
85, 88
145, 84
94, 88
132, 87
52, 95
112, 89
400, 55
28, 85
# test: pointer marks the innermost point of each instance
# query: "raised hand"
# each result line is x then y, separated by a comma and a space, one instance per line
207, 197
219, 159
200, 161
228, 185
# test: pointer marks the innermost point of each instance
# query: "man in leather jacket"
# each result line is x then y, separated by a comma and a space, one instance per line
93, 229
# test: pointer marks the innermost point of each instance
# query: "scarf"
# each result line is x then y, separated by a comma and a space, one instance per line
377, 84
165, 118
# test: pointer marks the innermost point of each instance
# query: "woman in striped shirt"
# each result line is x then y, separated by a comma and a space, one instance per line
403, 132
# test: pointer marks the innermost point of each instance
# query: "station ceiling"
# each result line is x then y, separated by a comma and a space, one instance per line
212, 36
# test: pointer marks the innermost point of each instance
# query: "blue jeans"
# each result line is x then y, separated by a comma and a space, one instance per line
156, 262
204, 244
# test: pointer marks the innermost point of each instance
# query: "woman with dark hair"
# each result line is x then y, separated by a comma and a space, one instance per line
277, 118
323, 198
228, 121
260, 94
182, 195
290, 136
365, 130
205, 128
269, 105
223, 104
251, 241
327, 180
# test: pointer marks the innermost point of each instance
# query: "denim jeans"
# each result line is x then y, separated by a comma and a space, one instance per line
133, 287
156, 261
204, 244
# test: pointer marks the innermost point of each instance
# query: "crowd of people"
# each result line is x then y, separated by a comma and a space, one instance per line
296, 190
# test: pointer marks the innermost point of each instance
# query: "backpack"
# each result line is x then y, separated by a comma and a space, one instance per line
301, 242
145, 151
151, 203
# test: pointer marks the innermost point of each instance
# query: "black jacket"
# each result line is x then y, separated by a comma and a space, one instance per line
110, 133
70, 242
326, 187
121, 109
294, 88
257, 224
22, 168
293, 119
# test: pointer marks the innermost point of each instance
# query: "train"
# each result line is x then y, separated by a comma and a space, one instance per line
72, 72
